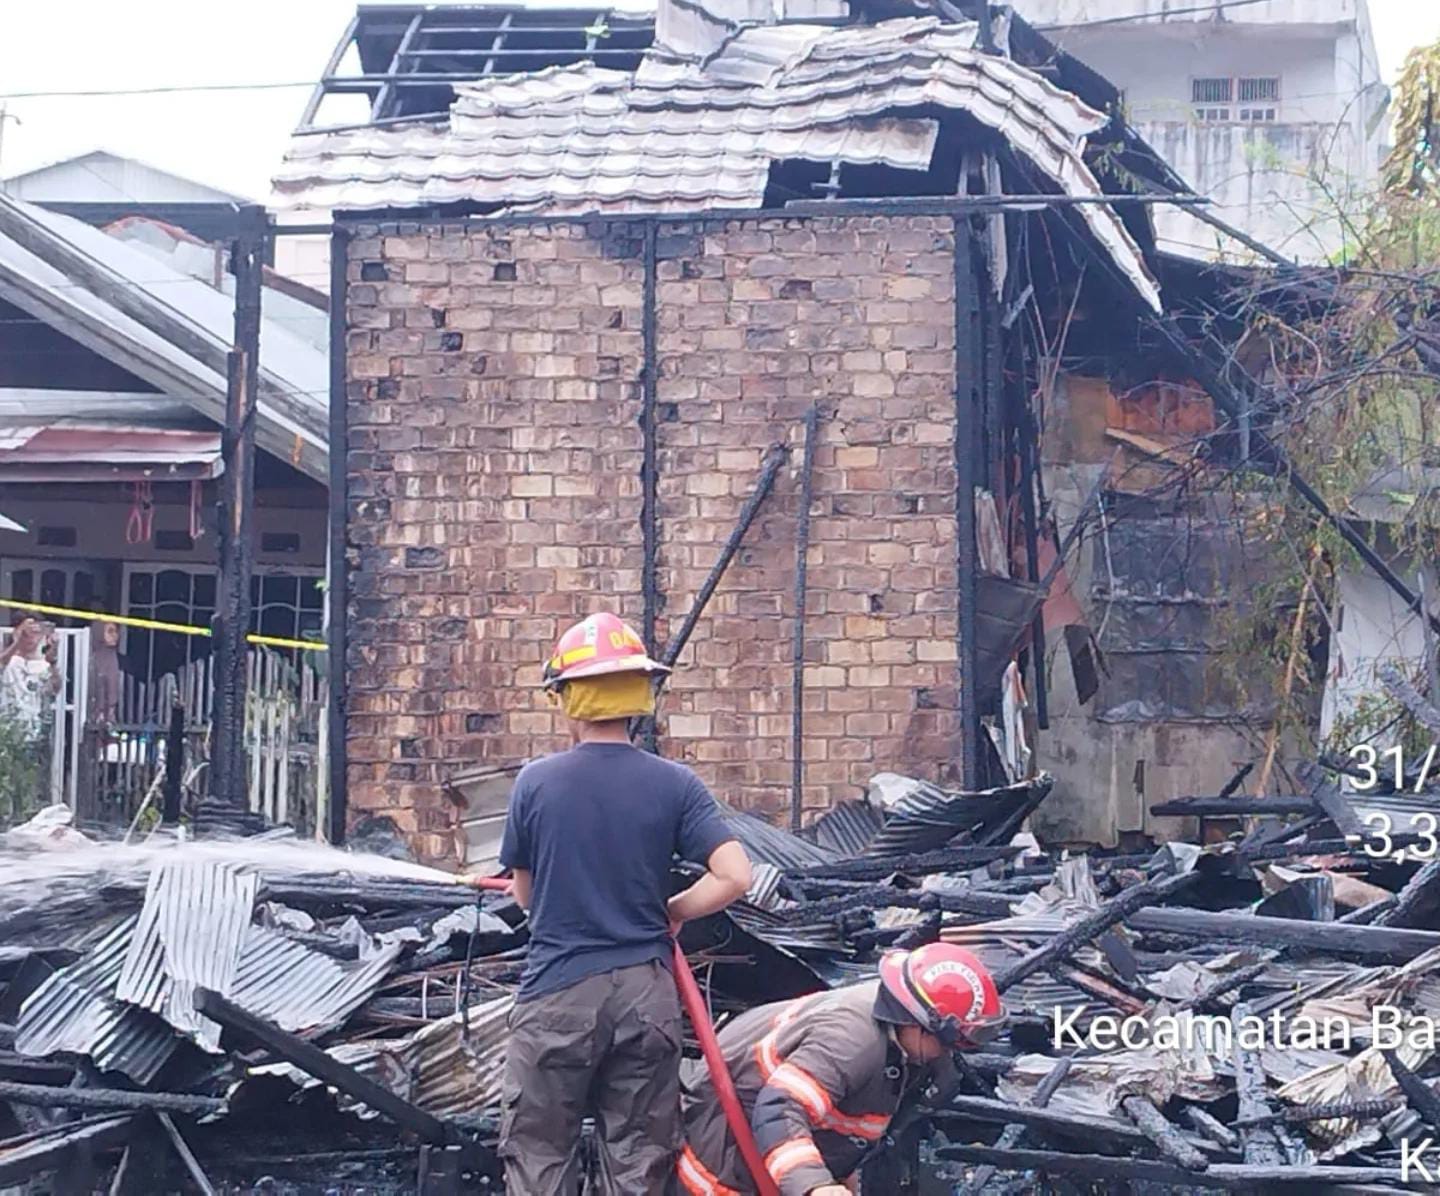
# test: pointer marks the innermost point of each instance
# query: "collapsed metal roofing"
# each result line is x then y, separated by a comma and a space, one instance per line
681, 137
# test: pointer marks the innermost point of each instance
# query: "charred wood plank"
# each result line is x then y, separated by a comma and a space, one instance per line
313, 1061
1093, 1129
1233, 1177
187, 1156
1014, 1133
1117, 909
1234, 807
1425, 1103
45, 1152
1416, 903
1227, 984
1358, 1110
1261, 1147
1367, 914
1163, 1136
770, 469
1203, 1123
107, 1099
1383, 943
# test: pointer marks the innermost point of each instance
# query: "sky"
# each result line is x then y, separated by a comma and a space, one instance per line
233, 140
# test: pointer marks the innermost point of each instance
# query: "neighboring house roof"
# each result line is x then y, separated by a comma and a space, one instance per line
102, 177
675, 137
165, 327
67, 450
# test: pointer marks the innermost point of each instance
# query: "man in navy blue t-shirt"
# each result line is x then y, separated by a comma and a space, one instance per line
590, 837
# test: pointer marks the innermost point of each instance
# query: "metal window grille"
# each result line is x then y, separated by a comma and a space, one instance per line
1211, 91
1259, 90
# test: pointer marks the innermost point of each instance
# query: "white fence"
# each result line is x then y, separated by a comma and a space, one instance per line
106, 771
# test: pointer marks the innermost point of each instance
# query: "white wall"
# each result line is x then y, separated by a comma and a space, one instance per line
1284, 183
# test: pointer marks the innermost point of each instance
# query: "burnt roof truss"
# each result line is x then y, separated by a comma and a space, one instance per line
406, 60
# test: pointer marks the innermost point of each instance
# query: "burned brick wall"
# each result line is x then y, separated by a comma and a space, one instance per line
495, 385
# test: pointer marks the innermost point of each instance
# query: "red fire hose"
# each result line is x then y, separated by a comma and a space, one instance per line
699, 1015
694, 1003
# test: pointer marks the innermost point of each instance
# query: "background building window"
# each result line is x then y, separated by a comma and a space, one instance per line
1259, 89
1212, 91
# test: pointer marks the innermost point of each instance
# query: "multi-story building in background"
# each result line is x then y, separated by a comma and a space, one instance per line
1273, 108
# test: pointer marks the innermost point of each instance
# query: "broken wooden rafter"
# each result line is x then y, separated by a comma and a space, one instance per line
313, 1061
1425, 1103
1382, 943
1260, 1146
1356, 1110
107, 1099
1014, 1133
1163, 1136
1117, 909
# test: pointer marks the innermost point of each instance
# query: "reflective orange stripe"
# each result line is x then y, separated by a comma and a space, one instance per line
697, 1179
800, 1084
795, 1152
807, 1090
869, 1126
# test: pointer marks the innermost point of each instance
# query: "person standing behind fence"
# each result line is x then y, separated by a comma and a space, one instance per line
29, 681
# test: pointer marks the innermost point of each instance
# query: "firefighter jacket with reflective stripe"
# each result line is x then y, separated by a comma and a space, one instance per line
819, 1078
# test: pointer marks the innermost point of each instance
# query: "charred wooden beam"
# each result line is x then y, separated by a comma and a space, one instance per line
107, 1099
1117, 909
187, 1156
1207, 1126
797, 656
1425, 1103
1385, 943
1163, 1136
1227, 984
1014, 1133
769, 471
1094, 1129
1358, 1110
1232, 1177
1234, 807
1260, 1145
313, 1061
1415, 904
47, 1151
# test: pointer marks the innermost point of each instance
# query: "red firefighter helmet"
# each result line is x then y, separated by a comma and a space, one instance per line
597, 645
948, 992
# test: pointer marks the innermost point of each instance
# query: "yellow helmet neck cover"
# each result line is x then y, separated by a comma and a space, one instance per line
614, 695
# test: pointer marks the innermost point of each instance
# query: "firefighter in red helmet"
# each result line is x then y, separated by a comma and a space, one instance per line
590, 837
820, 1077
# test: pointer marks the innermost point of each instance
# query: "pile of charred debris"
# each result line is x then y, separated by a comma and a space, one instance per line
261, 1014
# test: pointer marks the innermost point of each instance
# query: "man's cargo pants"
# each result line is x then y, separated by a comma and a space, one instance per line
608, 1045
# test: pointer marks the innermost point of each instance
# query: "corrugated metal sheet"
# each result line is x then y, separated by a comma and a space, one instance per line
846, 829
927, 817
766, 844
299, 989
680, 138
189, 935
75, 1012
441, 1068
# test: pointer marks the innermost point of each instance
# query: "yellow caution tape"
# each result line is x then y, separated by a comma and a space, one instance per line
91, 616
